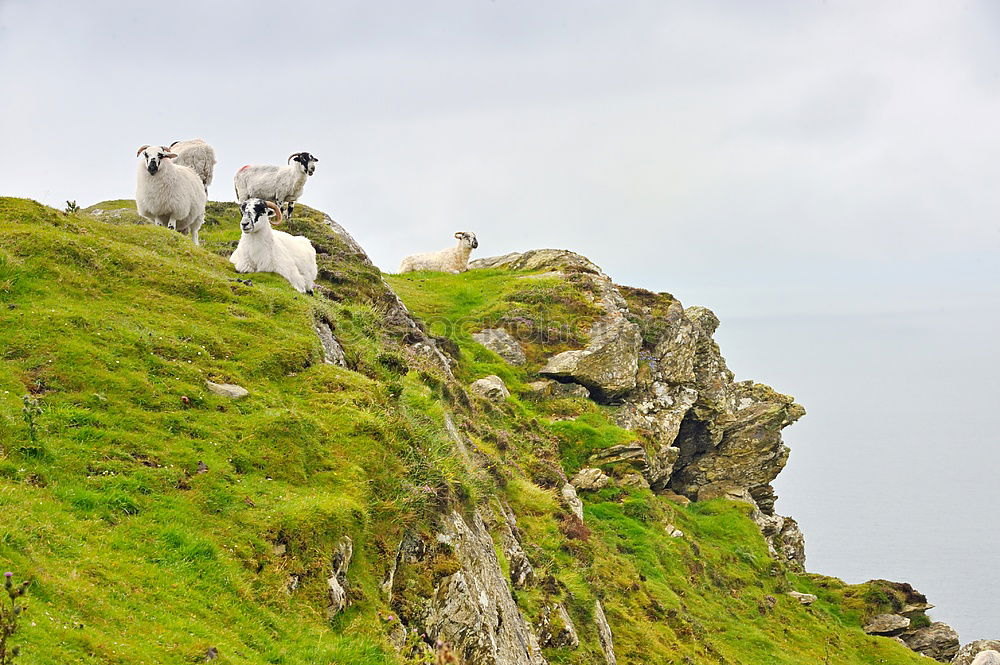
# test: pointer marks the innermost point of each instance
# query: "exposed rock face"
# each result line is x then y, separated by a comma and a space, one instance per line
333, 353
604, 633
608, 366
522, 574
502, 343
967, 654
590, 478
473, 609
490, 387
938, 641
550, 388
339, 563
556, 629
887, 625
571, 500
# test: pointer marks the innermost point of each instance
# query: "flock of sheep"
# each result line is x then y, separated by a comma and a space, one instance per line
172, 191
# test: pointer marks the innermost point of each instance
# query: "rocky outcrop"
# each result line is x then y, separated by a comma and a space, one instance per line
590, 478
571, 500
938, 641
556, 628
604, 633
804, 598
522, 574
608, 366
333, 353
967, 654
336, 583
550, 388
490, 387
502, 343
886, 625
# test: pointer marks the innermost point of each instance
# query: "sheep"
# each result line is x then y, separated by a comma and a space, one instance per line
262, 249
452, 259
281, 184
989, 657
169, 194
197, 156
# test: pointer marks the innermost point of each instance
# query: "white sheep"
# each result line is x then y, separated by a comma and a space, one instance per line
198, 156
281, 184
989, 657
262, 249
452, 259
168, 194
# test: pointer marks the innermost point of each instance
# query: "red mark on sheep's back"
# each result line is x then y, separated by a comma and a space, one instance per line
245, 167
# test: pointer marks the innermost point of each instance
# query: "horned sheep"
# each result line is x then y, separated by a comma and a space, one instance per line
281, 184
198, 156
168, 194
262, 249
453, 259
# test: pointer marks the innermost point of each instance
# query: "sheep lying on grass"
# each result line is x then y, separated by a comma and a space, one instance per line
281, 184
262, 249
452, 259
197, 156
168, 194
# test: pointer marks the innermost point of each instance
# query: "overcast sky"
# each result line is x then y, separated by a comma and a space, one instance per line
779, 162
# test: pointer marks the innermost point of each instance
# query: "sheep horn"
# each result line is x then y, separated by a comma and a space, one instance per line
139, 151
294, 154
277, 212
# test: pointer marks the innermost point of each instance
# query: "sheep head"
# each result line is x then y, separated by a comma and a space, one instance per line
256, 213
468, 239
305, 161
154, 156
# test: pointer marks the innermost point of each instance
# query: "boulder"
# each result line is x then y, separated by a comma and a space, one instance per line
502, 343
938, 641
550, 388
490, 387
608, 366
673, 531
886, 625
571, 500
967, 654
590, 478
230, 390
804, 598
632, 454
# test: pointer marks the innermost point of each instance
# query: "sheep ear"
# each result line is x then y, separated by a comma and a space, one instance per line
139, 151
459, 235
169, 155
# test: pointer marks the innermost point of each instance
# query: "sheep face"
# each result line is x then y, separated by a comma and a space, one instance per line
257, 214
153, 156
468, 239
305, 161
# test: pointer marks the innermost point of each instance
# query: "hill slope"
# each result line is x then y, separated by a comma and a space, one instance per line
158, 520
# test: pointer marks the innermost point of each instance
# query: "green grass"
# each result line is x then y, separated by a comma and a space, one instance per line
137, 557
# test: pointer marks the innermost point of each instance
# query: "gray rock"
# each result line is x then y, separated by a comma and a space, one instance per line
805, 598
886, 624
590, 478
673, 531
634, 480
550, 388
490, 387
572, 501
604, 633
502, 343
556, 628
608, 366
989, 657
938, 641
339, 563
967, 654
632, 454
333, 353
473, 609
230, 390
522, 573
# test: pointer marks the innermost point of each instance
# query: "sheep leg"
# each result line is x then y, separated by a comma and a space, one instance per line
172, 224
194, 236
291, 207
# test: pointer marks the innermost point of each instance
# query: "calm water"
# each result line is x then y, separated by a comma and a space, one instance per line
894, 470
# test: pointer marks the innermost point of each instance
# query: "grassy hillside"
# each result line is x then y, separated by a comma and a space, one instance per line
157, 520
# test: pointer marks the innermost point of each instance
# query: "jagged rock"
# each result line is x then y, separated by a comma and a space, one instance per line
522, 573
550, 388
604, 633
634, 480
590, 478
410, 550
490, 387
339, 563
632, 454
608, 366
804, 598
938, 641
967, 654
556, 628
333, 353
674, 532
230, 390
571, 500
502, 343
886, 624
473, 609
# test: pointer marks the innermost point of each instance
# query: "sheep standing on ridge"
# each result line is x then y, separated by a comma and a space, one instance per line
168, 194
262, 249
197, 156
281, 184
452, 259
